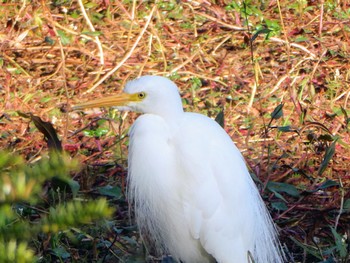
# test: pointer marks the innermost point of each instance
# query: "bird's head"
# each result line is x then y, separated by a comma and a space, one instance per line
147, 94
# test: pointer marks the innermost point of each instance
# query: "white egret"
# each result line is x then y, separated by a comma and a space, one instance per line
191, 191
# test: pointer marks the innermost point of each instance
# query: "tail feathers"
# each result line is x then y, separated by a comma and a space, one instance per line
267, 247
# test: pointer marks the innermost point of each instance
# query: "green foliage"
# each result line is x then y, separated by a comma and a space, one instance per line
278, 188
22, 211
337, 249
249, 8
74, 213
246, 8
327, 157
272, 25
12, 251
277, 112
340, 243
220, 118
196, 83
347, 205
167, 5
64, 38
300, 7
110, 191
97, 133
100, 130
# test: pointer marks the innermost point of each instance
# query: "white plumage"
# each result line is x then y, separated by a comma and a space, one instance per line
189, 185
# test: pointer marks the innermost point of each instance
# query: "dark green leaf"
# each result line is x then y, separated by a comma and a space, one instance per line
277, 187
111, 191
280, 206
325, 138
328, 183
49, 40
327, 157
130, 240
330, 259
284, 129
255, 178
347, 205
220, 118
341, 245
309, 249
46, 129
311, 137
65, 184
259, 32
278, 195
277, 112
60, 252
74, 186
347, 119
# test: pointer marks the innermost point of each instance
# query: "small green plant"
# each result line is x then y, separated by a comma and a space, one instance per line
245, 8
24, 214
249, 9
300, 7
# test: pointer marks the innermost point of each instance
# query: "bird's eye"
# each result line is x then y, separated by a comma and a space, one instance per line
141, 95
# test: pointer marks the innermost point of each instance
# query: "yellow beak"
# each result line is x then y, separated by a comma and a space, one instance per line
116, 100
